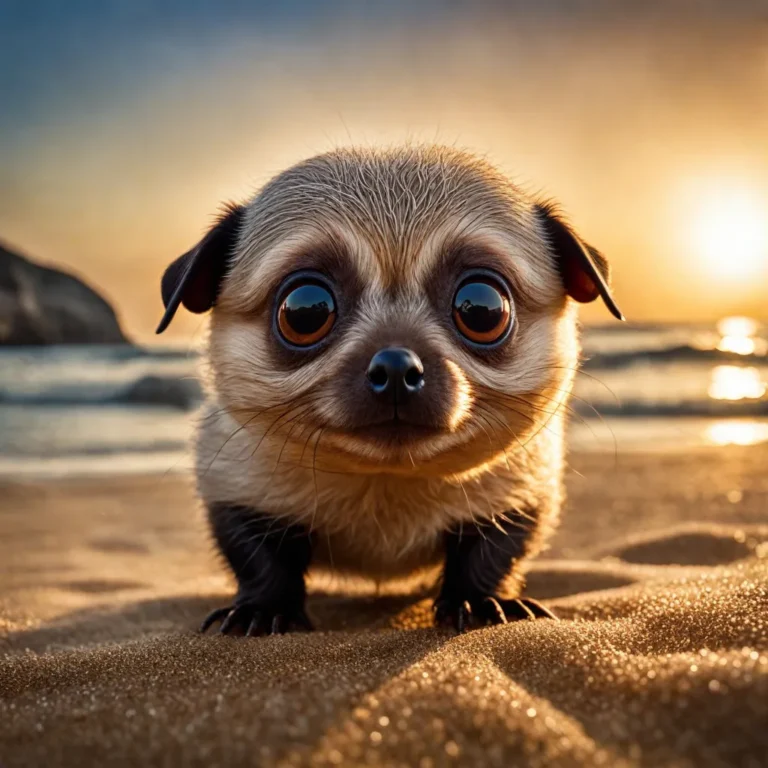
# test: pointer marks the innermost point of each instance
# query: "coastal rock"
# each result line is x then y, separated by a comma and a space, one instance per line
41, 305
185, 394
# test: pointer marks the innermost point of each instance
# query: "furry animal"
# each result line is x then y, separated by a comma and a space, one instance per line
392, 345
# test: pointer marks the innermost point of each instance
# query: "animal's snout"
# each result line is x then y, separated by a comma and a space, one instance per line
395, 373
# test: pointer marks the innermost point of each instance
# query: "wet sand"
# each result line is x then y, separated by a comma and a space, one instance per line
659, 572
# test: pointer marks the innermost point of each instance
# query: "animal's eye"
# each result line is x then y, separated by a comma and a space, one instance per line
482, 309
306, 314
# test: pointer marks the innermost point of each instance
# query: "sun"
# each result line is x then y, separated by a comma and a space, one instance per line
730, 234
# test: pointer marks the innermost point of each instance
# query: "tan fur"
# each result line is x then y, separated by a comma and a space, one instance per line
273, 436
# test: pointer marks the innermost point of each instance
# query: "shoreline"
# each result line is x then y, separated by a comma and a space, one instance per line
659, 573
611, 436
77, 542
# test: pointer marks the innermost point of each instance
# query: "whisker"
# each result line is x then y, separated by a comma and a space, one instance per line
489, 413
224, 444
484, 420
269, 430
469, 508
300, 424
579, 372
584, 422
240, 428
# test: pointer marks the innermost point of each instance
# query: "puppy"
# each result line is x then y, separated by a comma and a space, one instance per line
392, 346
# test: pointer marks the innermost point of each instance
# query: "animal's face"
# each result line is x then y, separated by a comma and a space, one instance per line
385, 309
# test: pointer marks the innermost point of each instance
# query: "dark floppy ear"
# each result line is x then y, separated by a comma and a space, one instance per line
194, 278
584, 270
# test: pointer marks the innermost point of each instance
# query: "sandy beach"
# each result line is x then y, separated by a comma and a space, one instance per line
659, 572
240, 237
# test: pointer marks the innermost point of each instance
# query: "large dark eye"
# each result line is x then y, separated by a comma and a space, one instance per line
306, 314
482, 310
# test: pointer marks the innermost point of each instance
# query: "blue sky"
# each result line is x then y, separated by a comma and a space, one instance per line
124, 124
54, 53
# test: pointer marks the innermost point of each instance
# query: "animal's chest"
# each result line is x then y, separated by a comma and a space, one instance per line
381, 543
378, 525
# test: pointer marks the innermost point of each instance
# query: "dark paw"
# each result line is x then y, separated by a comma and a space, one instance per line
253, 619
482, 611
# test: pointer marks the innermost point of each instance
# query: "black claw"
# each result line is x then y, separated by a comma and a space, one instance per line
493, 613
487, 610
254, 627
464, 617
458, 616
253, 620
520, 609
230, 621
526, 608
213, 617
537, 609
443, 612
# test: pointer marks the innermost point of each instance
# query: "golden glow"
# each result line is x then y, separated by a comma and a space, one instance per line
737, 326
463, 396
740, 345
732, 382
730, 234
734, 432
739, 335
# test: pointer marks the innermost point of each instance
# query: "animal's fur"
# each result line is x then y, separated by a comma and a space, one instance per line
282, 431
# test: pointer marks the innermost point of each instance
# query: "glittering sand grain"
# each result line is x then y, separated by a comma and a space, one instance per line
661, 657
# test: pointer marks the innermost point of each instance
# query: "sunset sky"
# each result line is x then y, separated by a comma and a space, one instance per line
124, 126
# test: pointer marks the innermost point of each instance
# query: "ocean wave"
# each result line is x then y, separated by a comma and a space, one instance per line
628, 346
186, 394
77, 465
706, 408
174, 392
684, 353
99, 352
94, 450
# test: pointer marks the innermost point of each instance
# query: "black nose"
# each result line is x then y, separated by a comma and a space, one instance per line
396, 372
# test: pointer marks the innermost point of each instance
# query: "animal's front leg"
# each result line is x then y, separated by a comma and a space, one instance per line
269, 560
478, 560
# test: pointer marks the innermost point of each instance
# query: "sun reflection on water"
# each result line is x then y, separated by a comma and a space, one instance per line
741, 345
737, 326
733, 382
737, 432
740, 336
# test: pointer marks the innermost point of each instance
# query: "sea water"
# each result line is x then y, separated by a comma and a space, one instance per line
87, 410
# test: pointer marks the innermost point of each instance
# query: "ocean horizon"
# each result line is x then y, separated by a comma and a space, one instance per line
82, 410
